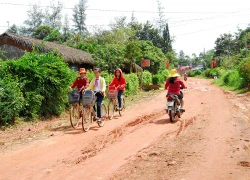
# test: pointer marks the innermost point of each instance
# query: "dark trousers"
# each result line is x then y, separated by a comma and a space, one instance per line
99, 100
119, 97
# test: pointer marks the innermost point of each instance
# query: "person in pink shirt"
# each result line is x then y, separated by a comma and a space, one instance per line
174, 84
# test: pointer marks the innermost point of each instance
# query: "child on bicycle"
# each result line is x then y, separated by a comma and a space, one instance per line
119, 82
174, 84
81, 82
98, 85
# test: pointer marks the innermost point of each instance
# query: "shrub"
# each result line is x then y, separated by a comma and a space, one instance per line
244, 71
146, 78
132, 84
44, 80
197, 73
11, 100
231, 79
191, 74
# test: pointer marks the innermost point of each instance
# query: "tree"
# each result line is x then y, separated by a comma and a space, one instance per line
35, 19
13, 29
120, 22
183, 60
161, 21
171, 57
66, 34
53, 15
43, 31
226, 44
79, 17
148, 32
167, 42
133, 52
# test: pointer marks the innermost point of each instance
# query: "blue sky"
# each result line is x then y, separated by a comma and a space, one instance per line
195, 24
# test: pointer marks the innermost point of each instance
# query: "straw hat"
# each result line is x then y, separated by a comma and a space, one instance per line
174, 73
82, 71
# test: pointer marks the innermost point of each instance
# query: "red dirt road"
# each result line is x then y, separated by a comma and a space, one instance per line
210, 141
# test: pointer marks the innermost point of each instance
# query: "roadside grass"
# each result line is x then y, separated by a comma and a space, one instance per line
63, 120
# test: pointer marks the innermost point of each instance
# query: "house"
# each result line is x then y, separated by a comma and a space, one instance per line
74, 57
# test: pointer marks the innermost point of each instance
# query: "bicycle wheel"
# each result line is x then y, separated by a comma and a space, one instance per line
104, 116
111, 109
122, 110
75, 115
86, 119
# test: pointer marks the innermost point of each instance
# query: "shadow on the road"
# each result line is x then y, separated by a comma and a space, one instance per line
164, 121
74, 131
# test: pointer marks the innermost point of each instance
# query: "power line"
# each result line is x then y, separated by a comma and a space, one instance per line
194, 32
127, 11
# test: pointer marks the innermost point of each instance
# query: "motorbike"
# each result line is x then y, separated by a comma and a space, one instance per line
174, 107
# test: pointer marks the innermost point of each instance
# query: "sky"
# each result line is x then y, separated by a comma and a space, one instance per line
194, 24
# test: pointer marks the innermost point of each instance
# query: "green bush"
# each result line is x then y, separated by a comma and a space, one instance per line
231, 79
191, 74
244, 71
210, 73
198, 72
165, 74
11, 100
132, 84
160, 77
146, 78
44, 81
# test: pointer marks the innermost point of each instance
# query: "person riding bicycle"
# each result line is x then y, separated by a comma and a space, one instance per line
119, 82
81, 82
185, 76
174, 84
98, 85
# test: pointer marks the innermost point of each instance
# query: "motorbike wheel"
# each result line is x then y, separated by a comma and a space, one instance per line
171, 115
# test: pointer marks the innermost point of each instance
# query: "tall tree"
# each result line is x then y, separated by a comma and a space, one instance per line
66, 29
167, 42
53, 15
120, 22
79, 17
226, 44
35, 19
161, 21
148, 32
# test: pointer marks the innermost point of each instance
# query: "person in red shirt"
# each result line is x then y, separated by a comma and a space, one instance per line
119, 82
174, 84
81, 82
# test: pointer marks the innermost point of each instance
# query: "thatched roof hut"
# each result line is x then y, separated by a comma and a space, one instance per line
71, 55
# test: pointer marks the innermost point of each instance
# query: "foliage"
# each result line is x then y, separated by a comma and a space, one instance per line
44, 81
146, 78
79, 17
191, 74
132, 84
160, 77
11, 99
231, 79
226, 44
43, 31
244, 71
210, 73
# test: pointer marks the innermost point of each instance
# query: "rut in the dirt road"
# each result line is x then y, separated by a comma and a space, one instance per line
215, 146
102, 141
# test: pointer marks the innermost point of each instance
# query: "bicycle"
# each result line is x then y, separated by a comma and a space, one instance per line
89, 114
113, 103
76, 108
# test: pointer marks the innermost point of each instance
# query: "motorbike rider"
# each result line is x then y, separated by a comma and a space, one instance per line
185, 76
174, 84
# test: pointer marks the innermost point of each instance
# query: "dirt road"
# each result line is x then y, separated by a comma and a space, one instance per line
210, 141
